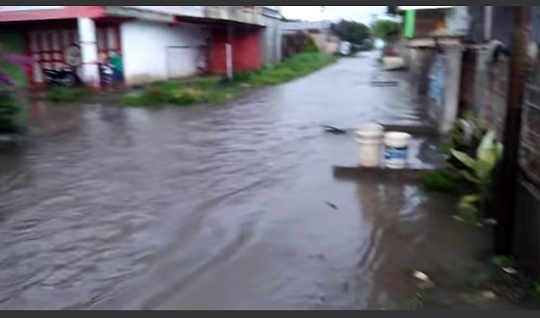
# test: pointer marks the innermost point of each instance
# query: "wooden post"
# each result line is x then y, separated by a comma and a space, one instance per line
507, 183
229, 51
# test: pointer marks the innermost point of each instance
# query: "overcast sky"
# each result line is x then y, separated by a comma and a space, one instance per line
313, 13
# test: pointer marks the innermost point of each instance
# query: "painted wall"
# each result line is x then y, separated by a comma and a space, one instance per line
46, 43
477, 26
271, 40
450, 109
426, 22
34, 13
325, 43
458, 21
247, 49
246, 43
147, 49
437, 78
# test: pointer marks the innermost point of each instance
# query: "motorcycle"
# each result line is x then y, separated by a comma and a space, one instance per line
64, 77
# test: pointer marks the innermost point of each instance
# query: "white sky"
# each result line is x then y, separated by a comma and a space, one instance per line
313, 13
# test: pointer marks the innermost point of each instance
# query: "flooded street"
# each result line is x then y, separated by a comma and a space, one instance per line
219, 207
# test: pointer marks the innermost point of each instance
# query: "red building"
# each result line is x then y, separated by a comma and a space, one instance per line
155, 42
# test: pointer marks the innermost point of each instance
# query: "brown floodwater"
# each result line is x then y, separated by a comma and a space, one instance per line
220, 207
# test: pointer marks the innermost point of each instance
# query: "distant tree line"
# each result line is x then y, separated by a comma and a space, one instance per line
357, 33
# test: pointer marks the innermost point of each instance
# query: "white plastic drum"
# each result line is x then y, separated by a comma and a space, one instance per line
370, 138
396, 154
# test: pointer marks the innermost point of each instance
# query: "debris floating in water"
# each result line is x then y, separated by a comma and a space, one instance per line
384, 84
425, 282
334, 130
420, 276
510, 270
333, 206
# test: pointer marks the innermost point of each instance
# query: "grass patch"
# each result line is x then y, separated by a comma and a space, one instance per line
295, 67
67, 94
215, 89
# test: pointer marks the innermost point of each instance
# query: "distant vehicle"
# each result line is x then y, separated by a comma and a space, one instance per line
379, 44
345, 48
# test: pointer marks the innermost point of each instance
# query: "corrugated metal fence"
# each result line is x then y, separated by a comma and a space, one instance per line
530, 139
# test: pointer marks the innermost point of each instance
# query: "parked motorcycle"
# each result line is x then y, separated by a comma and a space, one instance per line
64, 77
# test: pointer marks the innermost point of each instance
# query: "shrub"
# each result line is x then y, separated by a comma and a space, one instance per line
9, 112
67, 94
11, 107
167, 93
186, 96
440, 181
299, 42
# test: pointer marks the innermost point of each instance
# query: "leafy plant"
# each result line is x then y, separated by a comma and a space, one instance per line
10, 107
444, 180
445, 147
470, 208
466, 136
351, 31
536, 290
479, 171
383, 29
502, 261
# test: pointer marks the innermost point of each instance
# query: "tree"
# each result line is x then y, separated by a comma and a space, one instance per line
352, 31
383, 29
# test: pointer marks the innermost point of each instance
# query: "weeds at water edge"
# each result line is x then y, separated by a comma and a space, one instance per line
215, 89
67, 94
444, 180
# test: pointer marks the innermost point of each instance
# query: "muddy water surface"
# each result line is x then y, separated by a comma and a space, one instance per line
218, 207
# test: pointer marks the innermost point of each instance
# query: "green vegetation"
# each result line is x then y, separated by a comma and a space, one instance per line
466, 137
67, 94
384, 29
297, 66
480, 173
473, 155
536, 289
183, 93
444, 180
10, 111
217, 90
352, 31
300, 42
11, 106
503, 261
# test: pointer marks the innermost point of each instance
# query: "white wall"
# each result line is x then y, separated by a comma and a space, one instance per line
271, 41
145, 48
458, 21
454, 57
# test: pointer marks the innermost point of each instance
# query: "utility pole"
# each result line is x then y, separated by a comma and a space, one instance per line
508, 181
323, 30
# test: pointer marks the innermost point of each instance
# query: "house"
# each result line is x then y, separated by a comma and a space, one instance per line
155, 42
485, 34
321, 32
491, 33
433, 53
